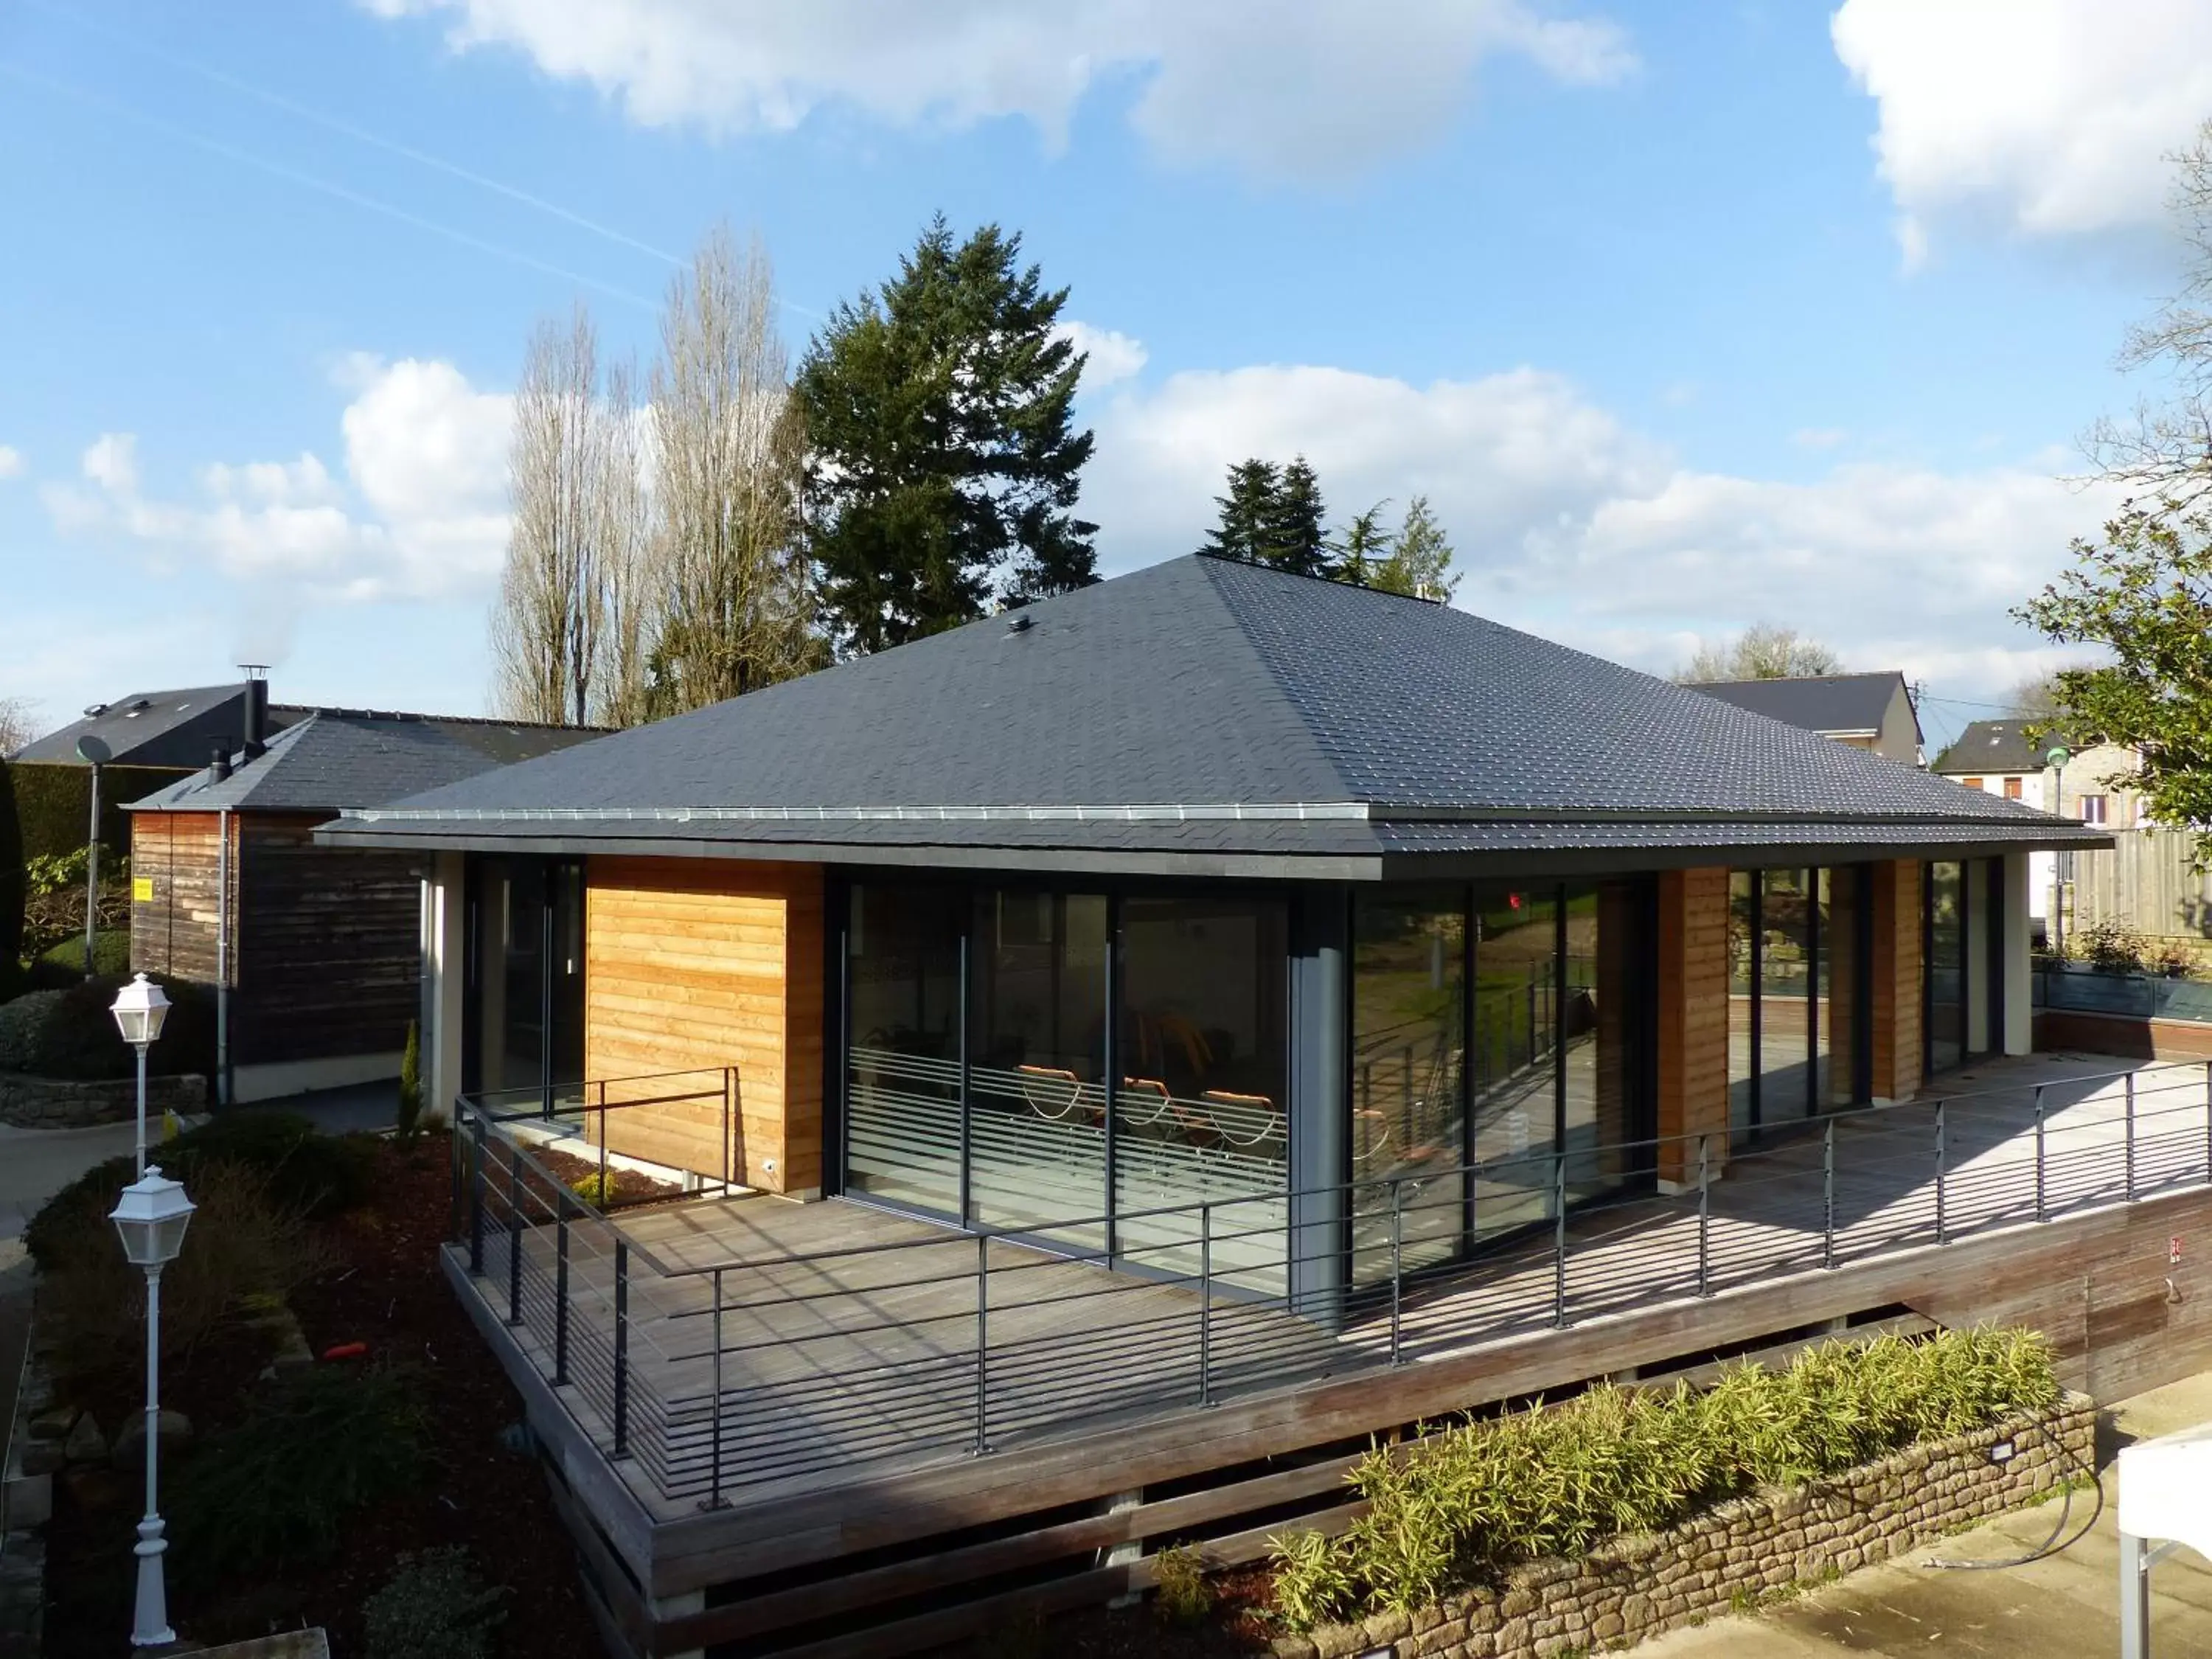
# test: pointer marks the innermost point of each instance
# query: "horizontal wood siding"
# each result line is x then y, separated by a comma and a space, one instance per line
329, 945
175, 930
702, 964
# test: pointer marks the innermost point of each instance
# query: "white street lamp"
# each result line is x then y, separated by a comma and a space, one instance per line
139, 1009
151, 1217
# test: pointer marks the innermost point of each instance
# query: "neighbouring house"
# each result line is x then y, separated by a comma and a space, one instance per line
1183, 997
1873, 712
314, 952
2146, 881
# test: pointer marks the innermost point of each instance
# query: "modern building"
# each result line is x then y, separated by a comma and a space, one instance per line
1873, 712
1197, 986
313, 953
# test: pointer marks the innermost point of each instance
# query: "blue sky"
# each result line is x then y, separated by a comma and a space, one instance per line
1684, 316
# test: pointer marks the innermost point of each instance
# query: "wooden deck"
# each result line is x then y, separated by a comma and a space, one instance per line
853, 1341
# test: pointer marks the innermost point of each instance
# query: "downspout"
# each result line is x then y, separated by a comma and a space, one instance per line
222, 958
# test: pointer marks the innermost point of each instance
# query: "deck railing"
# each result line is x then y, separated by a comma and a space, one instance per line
736, 1366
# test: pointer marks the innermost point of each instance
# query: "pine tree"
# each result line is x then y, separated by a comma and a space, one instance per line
944, 460
1364, 549
1420, 564
1292, 536
1246, 511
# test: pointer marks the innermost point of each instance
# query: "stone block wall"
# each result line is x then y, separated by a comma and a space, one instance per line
1632, 1589
43, 1103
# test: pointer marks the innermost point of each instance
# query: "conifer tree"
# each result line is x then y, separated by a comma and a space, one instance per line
1294, 536
1246, 512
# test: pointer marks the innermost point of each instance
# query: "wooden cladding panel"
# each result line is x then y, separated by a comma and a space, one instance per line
708, 963
330, 950
1896, 980
1693, 1016
175, 932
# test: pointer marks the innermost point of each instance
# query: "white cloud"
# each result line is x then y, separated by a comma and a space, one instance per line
2048, 117
421, 511
1573, 525
1113, 354
1818, 437
11, 462
1324, 87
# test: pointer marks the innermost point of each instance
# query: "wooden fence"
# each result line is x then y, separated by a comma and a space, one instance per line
2145, 881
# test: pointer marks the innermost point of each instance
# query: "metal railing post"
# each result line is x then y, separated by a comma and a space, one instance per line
2042, 1190
1828, 1194
2128, 1167
729, 1141
622, 1347
2208, 1119
1206, 1304
456, 1160
514, 1236
477, 1197
982, 1343
714, 1436
1397, 1261
603, 1204
1942, 1157
560, 1292
1560, 1240
1705, 1214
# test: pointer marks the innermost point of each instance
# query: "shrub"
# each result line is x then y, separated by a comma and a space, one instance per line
303, 1172
1474, 1500
2110, 946
596, 1189
69, 1033
409, 1122
434, 1606
1179, 1577
62, 964
317, 1446
11, 882
242, 1253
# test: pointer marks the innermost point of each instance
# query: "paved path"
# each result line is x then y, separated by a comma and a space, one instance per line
2065, 1606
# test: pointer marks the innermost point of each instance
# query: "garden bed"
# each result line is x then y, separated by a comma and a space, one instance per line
383, 1290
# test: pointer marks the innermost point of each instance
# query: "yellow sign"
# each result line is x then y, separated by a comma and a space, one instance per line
141, 888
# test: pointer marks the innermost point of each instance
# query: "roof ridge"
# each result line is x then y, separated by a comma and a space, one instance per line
1208, 566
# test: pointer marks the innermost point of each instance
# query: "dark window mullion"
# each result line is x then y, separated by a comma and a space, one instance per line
1757, 972
967, 1103
1111, 1081
1812, 966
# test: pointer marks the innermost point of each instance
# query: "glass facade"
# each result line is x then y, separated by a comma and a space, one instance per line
524, 1029
1963, 942
905, 1130
1795, 995
1946, 966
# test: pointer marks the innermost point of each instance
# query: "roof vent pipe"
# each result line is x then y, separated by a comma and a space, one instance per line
219, 768
257, 711
1019, 623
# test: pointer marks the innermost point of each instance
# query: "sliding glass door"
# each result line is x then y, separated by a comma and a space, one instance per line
523, 1021
1794, 993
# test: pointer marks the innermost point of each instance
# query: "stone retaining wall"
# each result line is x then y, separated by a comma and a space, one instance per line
46, 1103
1631, 1589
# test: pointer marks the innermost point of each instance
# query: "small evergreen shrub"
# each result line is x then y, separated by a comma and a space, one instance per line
111, 958
596, 1189
1466, 1505
317, 1446
69, 1033
1179, 1580
434, 1606
409, 1122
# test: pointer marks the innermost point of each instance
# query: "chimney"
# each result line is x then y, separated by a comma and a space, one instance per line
257, 711
219, 768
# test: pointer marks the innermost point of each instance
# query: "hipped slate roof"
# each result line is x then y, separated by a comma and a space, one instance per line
1836, 705
336, 758
159, 728
1992, 748
1233, 715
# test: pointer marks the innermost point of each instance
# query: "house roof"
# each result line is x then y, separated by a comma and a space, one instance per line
334, 757
173, 728
1834, 705
1225, 716
1988, 748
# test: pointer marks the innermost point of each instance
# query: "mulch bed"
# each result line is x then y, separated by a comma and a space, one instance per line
627, 1187
386, 1292
1237, 1628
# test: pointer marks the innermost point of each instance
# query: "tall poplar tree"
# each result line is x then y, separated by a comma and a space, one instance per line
944, 462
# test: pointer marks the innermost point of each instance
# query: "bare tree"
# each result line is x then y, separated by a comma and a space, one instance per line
19, 724
629, 570
547, 619
728, 463
2164, 449
1761, 652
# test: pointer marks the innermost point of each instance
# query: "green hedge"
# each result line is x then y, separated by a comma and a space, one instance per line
12, 885
53, 804
55, 968
1463, 1506
71, 1033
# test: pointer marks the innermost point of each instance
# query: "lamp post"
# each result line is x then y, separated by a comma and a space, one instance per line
95, 753
151, 1217
139, 1009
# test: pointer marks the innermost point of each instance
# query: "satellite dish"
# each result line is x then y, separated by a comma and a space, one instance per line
96, 749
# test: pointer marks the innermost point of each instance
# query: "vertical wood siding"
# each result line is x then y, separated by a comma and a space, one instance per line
705, 963
1897, 986
175, 931
1693, 1017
